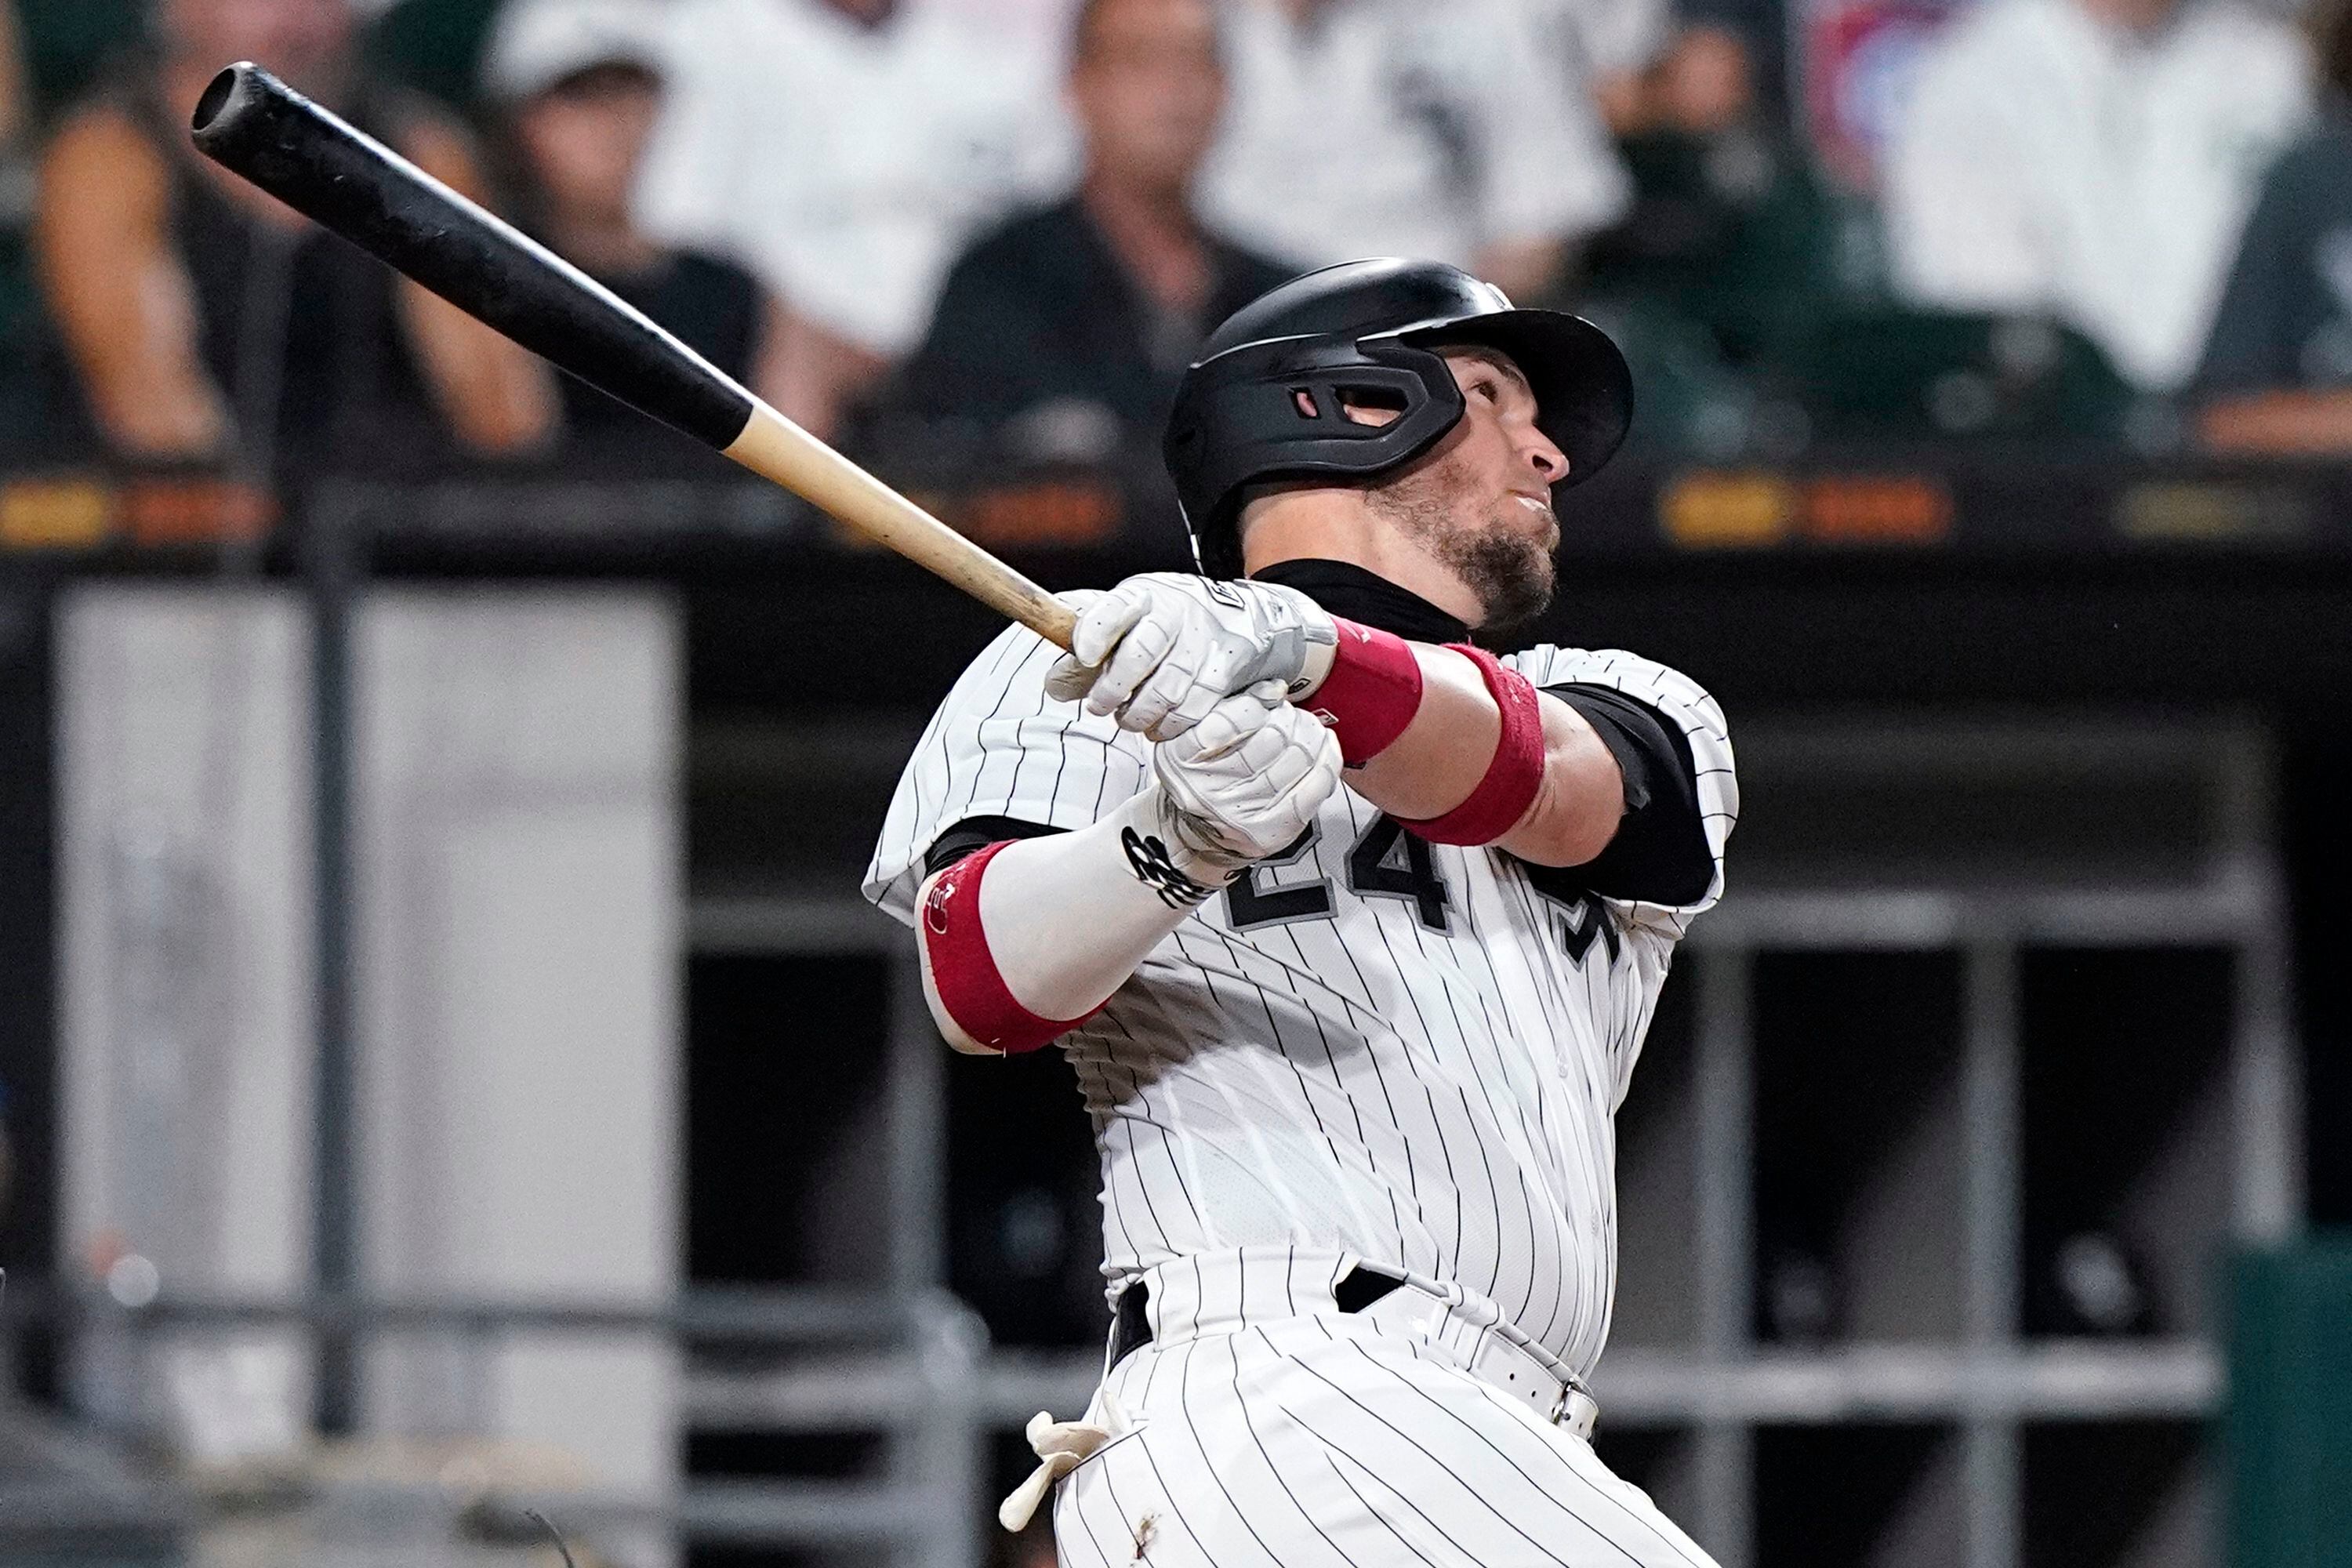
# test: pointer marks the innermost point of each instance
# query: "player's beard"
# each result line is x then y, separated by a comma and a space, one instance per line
1511, 573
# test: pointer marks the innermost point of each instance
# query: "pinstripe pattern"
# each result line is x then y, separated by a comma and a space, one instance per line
1302, 1437
1428, 1081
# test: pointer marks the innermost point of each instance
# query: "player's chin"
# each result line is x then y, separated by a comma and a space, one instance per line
1513, 575
1530, 519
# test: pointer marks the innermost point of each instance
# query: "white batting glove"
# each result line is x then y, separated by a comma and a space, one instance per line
1162, 649
1238, 786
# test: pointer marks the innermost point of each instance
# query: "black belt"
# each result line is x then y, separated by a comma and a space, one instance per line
1130, 1330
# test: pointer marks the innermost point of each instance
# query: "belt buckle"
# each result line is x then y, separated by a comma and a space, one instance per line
1558, 1406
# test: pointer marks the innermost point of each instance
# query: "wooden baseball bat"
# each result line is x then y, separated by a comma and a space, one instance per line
255, 125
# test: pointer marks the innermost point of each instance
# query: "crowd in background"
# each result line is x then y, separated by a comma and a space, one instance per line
964, 232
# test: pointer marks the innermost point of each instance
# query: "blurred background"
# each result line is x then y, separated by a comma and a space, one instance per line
447, 1076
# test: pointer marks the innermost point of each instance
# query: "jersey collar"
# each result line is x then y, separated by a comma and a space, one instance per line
1346, 589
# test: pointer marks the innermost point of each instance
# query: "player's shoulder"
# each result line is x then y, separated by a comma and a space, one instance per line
1644, 680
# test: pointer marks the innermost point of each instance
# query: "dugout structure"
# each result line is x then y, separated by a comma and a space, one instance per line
1981, 1071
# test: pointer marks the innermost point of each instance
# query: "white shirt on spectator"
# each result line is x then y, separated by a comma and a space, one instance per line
847, 164
1610, 36
2050, 160
1419, 128
1042, 26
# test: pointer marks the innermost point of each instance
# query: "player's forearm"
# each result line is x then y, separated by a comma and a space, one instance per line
1022, 941
1445, 750
1538, 781
1025, 941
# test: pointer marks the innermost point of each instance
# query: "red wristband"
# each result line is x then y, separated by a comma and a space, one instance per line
1514, 777
1371, 694
963, 972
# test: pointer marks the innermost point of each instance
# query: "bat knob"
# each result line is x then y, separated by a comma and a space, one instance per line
228, 100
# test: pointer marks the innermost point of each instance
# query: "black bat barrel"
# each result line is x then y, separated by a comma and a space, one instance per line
255, 125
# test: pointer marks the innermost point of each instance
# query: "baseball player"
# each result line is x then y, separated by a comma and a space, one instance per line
1352, 931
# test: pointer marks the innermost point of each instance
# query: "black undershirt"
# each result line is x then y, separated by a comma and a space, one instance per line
1346, 590
974, 833
1659, 853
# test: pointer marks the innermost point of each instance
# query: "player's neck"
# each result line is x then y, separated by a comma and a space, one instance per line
1321, 524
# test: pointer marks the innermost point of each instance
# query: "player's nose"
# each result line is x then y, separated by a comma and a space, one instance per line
1546, 457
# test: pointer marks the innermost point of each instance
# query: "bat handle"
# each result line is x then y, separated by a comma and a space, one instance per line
774, 447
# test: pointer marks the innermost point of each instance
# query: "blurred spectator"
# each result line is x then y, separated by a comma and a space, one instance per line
30, 371
2092, 159
1613, 49
1728, 228
15, 89
1399, 127
436, 46
2277, 373
844, 149
1756, 32
205, 320
1040, 28
578, 84
1700, 82
1076, 321
1606, 41
1694, 64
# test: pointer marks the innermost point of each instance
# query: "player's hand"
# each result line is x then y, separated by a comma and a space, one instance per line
1244, 783
1162, 649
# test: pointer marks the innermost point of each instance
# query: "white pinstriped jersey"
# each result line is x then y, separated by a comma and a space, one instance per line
1406, 1050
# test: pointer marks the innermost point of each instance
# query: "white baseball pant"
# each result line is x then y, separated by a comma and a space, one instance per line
1263, 1424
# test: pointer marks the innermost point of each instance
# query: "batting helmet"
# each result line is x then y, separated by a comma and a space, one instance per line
1265, 401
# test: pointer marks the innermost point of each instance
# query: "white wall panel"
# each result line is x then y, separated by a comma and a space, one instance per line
184, 965
520, 911
519, 928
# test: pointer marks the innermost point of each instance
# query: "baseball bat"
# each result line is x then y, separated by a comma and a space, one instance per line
258, 128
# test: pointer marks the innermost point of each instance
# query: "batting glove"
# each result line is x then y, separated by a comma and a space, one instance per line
1242, 784
1162, 649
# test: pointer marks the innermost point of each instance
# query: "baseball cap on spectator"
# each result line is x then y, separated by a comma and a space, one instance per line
539, 44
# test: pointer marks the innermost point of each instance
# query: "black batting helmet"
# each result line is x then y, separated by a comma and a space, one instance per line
1264, 400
